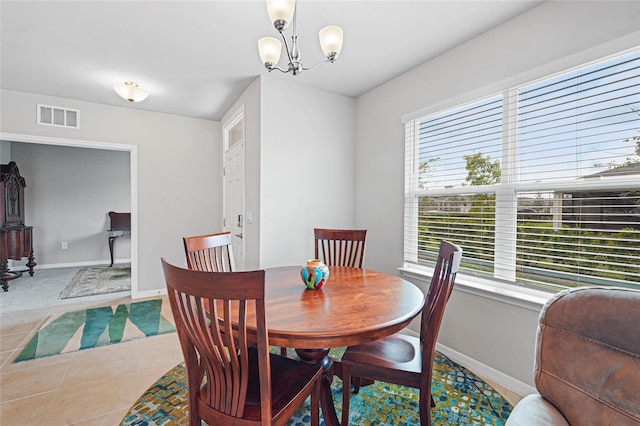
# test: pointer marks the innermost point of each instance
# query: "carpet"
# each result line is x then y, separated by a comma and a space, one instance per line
461, 399
106, 325
98, 280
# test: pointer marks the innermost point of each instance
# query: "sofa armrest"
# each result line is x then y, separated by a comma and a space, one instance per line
534, 410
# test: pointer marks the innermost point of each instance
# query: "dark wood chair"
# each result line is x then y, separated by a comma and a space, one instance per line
229, 381
407, 360
211, 253
340, 247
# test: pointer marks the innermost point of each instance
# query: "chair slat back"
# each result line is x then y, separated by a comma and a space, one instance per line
211, 253
340, 247
440, 288
216, 353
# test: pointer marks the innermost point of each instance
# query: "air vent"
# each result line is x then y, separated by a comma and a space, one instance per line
57, 116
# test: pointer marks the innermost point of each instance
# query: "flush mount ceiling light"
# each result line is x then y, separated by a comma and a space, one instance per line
281, 13
131, 91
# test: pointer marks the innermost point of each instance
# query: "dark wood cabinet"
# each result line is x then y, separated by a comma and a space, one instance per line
16, 239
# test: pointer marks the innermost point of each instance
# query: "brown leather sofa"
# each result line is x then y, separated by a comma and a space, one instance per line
587, 366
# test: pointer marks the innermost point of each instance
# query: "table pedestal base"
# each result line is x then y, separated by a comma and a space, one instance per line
321, 356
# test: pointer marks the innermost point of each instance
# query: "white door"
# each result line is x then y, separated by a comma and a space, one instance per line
234, 217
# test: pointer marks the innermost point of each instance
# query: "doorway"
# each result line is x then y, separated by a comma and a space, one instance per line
233, 188
132, 152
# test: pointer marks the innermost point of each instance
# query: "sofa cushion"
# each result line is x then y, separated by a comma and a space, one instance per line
535, 410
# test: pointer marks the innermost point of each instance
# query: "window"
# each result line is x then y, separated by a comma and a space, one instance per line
540, 184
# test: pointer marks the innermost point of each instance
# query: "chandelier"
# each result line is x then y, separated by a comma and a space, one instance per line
281, 13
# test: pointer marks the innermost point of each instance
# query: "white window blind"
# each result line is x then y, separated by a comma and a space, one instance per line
540, 184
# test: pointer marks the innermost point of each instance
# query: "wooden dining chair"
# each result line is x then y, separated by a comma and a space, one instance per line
211, 253
230, 382
340, 247
401, 359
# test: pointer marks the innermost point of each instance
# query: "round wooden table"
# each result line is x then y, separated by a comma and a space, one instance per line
355, 306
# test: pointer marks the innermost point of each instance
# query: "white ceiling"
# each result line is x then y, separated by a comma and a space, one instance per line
196, 57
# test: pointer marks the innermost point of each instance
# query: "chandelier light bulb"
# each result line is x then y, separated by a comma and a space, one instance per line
281, 12
331, 41
269, 49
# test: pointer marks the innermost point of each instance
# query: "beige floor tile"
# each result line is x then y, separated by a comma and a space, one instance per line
10, 342
89, 400
101, 363
10, 366
20, 326
148, 376
22, 319
29, 411
4, 357
31, 381
162, 351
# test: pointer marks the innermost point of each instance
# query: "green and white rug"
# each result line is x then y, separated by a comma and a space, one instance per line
90, 328
98, 280
461, 399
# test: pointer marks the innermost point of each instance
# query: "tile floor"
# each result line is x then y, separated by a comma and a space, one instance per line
89, 387
93, 387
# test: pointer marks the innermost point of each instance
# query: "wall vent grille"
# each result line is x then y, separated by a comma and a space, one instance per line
58, 116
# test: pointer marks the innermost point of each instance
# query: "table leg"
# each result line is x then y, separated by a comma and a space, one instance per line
31, 263
4, 275
111, 240
321, 356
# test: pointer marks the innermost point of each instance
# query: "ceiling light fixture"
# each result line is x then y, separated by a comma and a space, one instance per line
281, 13
130, 91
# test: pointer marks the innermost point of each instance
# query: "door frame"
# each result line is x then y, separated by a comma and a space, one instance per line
238, 115
133, 165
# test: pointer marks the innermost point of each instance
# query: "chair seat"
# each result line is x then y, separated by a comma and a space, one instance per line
288, 377
395, 359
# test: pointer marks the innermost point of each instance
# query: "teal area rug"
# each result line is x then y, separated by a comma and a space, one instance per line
461, 399
106, 325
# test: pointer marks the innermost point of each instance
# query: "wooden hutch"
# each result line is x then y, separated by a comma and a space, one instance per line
15, 238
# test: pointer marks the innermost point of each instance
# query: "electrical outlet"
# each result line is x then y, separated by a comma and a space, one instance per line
63, 245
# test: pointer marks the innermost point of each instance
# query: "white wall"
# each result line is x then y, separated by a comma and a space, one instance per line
68, 196
307, 176
5, 152
178, 185
553, 36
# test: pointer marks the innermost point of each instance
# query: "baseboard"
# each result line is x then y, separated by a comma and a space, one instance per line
149, 293
80, 264
487, 372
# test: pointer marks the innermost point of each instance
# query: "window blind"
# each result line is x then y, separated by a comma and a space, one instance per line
539, 184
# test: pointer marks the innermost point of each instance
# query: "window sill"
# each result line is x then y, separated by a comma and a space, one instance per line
523, 297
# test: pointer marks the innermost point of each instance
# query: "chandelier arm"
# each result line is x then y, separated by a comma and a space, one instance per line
286, 47
316, 64
279, 69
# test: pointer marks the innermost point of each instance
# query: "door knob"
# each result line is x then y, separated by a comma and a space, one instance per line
239, 235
